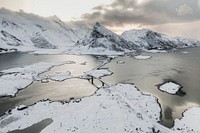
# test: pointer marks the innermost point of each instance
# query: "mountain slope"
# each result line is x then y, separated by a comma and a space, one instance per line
147, 39
29, 32
102, 40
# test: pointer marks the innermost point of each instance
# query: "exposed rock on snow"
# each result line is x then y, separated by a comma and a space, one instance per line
120, 108
10, 39
40, 42
170, 87
189, 123
3, 51
142, 57
98, 73
15, 79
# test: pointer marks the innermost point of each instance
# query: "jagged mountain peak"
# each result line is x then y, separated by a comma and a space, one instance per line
102, 30
103, 39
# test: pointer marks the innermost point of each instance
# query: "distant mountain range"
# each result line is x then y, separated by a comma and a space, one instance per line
28, 32
102, 39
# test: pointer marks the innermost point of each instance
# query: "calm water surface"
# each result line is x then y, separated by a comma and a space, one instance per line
184, 68
56, 91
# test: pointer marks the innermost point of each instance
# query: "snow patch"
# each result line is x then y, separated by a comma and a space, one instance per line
170, 87
98, 73
120, 62
142, 57
60, 76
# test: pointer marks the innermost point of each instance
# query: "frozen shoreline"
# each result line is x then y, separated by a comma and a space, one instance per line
121, 104
23, 77
189, 122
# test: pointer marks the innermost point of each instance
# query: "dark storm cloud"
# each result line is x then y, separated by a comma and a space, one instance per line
147, 12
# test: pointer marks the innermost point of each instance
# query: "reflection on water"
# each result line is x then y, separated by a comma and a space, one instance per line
12, 60
146, 74
52, 90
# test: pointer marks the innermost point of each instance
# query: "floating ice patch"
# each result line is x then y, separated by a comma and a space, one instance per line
60, 76
16, 79
170, 87
185, 52
189, 123
97, 73
142, 57
83, 63
155, 51
121, 104
120, 62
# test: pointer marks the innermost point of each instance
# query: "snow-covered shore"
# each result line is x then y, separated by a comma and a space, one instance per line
119, 108
15, 79
189, 123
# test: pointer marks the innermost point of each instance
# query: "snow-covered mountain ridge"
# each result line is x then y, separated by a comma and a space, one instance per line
147, 39
102, 40
28, 32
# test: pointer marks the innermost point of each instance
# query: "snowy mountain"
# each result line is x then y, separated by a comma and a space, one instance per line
148, 40
29, 32
103, 40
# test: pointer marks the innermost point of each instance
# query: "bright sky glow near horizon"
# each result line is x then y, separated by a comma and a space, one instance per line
179, 17
64, 9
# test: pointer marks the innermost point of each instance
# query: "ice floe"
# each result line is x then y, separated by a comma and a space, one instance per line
142, 57
185, 52
120, 108
14, 79
120, 62
98, 73
59, 76
170, 87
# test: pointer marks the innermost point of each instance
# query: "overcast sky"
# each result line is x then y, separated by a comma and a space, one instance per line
173, 17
